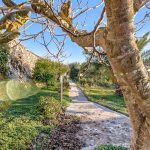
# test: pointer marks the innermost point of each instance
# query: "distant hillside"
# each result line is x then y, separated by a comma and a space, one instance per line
21, 62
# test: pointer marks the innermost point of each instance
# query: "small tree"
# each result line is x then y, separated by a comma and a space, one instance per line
61, 68
48, 71
4, 53
74, 71
44, 71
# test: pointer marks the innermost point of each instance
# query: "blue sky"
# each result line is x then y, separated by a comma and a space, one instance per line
72, 50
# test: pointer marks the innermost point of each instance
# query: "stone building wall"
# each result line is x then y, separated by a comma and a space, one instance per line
21, 62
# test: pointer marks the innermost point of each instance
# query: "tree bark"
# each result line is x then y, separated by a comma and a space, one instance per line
137, 119
128, 68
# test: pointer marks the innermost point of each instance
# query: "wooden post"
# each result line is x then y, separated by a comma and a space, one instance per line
61, 90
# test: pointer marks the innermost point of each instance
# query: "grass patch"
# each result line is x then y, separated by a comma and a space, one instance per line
105, 96
14, 90
3, 92
110, 147
4, 105
21, 121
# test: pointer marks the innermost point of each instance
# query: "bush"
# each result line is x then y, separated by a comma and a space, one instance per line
66, 84
110, 147
90, 82
49, 108
4, 54
74, 71
47, 71
103, 84
4, 105
52, 82
82, 81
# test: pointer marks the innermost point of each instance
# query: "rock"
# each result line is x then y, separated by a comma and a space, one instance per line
21, 62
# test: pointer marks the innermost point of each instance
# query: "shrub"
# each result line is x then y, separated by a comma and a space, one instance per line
52, 82
4, 54
44, 71
110, 147
48, 72
4, 105
74, 71
90, 82
66, 84
82, 81
50, 108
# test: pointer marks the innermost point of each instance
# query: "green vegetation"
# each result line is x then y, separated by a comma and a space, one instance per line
22, 120
110, 147
3, 91
18, 90
95, 74
48, 72
13, 90
4, 53
4, 105
20, 123
74, 71
105, 96
50, 108
143, 41
98, 83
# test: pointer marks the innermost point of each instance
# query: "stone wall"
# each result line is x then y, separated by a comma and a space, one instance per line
21, 62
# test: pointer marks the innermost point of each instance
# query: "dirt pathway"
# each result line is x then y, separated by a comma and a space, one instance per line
100, 125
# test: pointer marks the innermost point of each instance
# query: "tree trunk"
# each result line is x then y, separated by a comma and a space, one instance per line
128, 69
118, 90
138, 121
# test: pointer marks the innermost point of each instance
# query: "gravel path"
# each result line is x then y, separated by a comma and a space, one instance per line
100, 125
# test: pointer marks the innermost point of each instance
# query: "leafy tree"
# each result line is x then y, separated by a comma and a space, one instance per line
61, 68
96, 74
102, 73
43, 71
48, 71
74, 71
4, 54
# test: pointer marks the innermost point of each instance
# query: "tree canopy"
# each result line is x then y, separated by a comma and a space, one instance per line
48, 71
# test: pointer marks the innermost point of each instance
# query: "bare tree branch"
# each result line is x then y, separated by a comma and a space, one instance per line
139, 4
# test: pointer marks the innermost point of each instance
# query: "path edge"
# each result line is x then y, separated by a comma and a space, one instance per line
102, 104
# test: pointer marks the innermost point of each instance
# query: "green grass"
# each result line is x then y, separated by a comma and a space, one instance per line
106, 97
3, 92
110, 147
21, 121
13, 90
